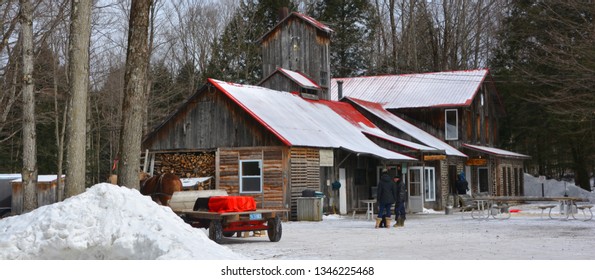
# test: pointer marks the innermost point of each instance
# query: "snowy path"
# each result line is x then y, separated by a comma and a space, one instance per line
428, 236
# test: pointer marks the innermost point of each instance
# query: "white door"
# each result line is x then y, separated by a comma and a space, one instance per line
342, 192
415, 187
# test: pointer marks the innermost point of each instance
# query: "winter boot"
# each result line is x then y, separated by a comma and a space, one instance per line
388, 222
401, 222
397, 224
378, 220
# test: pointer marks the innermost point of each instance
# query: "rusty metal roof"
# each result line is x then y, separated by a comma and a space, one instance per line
440, 89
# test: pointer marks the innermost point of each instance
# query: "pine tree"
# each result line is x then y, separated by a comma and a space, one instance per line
351, 42
236, 54
544, 65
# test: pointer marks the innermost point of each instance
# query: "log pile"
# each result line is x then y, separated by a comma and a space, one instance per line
186, 165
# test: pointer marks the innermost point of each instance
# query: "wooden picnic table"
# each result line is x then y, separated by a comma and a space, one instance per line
497, 206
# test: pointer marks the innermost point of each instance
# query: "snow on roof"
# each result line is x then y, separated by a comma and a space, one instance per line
299, 78
10, 176
367, 127
413, 131
106, 222
441, 89
495, 151
42, 178
298, 122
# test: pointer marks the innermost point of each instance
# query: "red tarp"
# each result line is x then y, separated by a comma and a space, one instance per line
222, 204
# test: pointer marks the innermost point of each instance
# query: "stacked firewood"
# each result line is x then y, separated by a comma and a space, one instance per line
186, 165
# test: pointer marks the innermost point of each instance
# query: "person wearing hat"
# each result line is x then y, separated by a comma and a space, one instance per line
400, 198
385, 198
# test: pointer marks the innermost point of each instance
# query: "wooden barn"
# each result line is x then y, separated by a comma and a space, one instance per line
272, 145
460, 108
47, 192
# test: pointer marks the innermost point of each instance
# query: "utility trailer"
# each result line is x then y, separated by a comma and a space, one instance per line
225, 224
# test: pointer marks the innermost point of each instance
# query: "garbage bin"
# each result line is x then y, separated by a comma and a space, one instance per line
309, 208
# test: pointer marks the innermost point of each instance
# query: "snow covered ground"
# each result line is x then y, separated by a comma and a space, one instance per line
108, 222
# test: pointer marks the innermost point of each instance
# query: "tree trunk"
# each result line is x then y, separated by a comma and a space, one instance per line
137, 57
78, 73
29, 172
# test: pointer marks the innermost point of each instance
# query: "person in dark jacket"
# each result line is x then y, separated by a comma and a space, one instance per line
462, 184
385, 198
401, 198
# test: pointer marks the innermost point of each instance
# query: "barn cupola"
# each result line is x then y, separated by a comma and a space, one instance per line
300, 44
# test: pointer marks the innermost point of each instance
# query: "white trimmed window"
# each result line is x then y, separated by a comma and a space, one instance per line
250, 176
451, 124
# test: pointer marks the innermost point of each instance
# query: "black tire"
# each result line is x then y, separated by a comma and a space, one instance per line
228, 233
275, 229
216, 231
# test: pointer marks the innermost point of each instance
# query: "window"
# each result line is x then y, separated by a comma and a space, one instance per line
451, 124
250, 176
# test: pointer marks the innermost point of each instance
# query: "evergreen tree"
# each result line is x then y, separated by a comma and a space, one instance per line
352, 21
544, 67
236, 54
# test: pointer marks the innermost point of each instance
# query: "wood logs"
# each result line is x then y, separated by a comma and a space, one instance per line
186, 165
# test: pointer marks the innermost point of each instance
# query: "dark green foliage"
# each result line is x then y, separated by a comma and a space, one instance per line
544, 67
236, 54
352, 22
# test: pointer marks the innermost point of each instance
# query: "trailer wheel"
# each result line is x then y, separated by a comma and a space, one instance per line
228, 233
274, 229
216, 231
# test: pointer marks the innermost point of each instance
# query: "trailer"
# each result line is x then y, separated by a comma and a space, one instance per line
226, 224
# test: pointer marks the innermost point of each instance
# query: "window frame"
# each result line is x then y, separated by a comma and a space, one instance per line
447, 136
241, 176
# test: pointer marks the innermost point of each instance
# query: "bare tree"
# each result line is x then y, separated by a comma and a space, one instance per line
137, 57
29, 171
78, 73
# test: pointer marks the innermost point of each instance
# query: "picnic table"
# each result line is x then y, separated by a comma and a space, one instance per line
498, 206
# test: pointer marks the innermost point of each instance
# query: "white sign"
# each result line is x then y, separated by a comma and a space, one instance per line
541, 179
326, 158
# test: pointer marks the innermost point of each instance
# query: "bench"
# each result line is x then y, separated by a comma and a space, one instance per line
467, 203
544, 207
584, 208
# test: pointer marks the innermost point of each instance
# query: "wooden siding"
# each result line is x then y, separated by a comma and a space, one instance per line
281, 83
46, 195
305, 173
273, 170
311, 56
210, 120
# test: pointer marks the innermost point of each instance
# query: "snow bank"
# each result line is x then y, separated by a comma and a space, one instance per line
105, 222
554, 188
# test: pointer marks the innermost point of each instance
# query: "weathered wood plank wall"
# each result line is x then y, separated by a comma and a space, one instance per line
273, 169
207, 121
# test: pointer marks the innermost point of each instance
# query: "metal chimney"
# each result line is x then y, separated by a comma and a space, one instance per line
339, 90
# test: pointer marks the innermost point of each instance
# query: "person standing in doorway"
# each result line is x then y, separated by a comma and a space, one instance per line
385, 198
401, 198
462, 184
